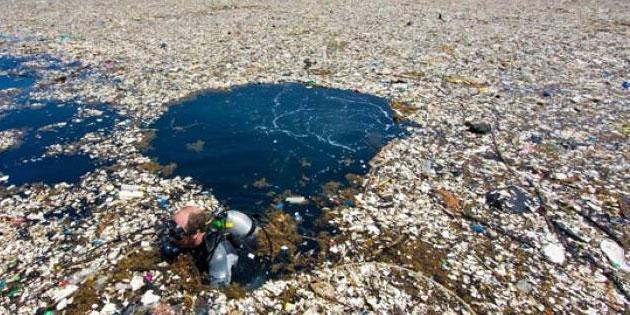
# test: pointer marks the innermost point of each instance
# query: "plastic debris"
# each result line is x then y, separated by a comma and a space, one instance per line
554, 252
14, 292
298, 200
477, 228
444, 264
136, 283
148, 298
163, 201
480, 128
64, 292
127, 195
148, 277
128, 192
615, 254
108, 309
580, 135
510, 199
524, 286
62, 304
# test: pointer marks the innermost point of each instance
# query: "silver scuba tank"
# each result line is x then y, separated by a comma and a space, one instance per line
221, 263
241, 227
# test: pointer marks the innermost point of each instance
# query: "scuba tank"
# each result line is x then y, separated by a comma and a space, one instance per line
238, 225
242, 227
220, 265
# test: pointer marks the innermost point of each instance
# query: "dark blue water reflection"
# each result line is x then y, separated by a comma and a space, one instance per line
294, 137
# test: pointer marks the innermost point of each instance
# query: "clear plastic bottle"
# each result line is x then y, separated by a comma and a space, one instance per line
221, 263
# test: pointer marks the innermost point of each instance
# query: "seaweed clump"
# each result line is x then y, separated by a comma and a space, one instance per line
235, 291
157, 168
84, 298
282, 236
196, 146
411, 253
281, 243
145, 142
402, 110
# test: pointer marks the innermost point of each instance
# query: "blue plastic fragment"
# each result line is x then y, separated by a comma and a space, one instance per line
477, 228
163, 201
279, 206
348, 202
625, 85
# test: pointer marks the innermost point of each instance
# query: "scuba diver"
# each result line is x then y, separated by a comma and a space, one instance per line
213, 241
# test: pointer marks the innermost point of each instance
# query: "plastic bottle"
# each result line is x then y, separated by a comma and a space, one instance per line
221, 263
81, 275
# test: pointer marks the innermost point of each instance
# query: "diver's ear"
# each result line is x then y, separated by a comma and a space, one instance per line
198, 238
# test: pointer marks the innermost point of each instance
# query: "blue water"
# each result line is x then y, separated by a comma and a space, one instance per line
294, 136
26, 163
12, 75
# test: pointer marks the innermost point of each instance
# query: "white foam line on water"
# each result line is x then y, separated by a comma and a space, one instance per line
385, 113
276, 124
339, 145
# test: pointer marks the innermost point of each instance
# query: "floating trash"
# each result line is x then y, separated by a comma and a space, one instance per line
33, 133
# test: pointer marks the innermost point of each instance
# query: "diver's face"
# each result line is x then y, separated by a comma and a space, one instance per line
181, 218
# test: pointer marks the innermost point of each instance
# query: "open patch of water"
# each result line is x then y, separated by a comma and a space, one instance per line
255, 145
253, 142
37, 126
